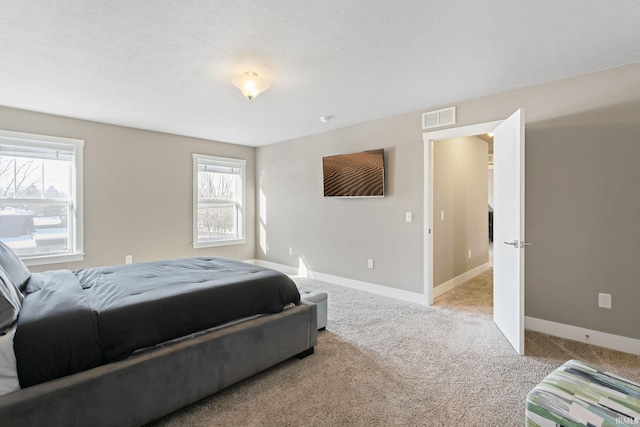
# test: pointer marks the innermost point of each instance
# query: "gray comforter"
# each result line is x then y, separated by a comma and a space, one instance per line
73, 321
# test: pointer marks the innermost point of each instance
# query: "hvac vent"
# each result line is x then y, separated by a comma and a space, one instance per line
432, 119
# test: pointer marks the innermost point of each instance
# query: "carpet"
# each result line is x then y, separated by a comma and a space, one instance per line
385, 362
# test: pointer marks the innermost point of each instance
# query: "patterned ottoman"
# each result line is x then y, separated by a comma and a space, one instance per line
577, 394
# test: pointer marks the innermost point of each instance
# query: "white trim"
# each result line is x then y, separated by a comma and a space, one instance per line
342, 281
227, 161
428, 138
52, 259
457, 281
575, 333
369, 287
214, 243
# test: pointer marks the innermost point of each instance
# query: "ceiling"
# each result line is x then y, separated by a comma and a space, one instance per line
166, 65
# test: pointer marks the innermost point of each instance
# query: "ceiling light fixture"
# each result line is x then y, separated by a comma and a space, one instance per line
250, 84
326, 119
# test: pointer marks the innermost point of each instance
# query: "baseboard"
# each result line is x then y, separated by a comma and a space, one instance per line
457, 281
575, 333
342, 281
369, 287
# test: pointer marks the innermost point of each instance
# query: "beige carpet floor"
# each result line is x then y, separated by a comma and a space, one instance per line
384, 362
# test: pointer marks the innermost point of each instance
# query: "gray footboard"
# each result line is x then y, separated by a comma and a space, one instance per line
146, 387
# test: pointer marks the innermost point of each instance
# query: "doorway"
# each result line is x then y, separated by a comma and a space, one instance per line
429, 138
508, 297
462, 275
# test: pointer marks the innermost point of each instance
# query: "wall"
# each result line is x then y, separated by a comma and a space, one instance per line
460, 191
334, 235
137, 189
337, 236
490, 186
583, 216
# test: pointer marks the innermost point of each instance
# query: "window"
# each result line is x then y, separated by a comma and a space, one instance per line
41, 197
218, 201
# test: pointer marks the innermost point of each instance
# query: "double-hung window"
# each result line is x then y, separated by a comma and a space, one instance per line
41, 197
218, 201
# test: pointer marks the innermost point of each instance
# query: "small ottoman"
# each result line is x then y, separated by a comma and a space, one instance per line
577, 394
320, 299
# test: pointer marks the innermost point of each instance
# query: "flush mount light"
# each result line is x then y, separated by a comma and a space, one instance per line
250, 84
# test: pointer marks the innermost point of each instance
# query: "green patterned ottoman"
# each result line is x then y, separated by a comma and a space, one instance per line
577, 394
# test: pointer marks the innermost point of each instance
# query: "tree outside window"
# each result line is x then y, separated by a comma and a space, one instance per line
219, 203
39, 213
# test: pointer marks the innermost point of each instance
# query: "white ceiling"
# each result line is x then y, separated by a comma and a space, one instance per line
166, 65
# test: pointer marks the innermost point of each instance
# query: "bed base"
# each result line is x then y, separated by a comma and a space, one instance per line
146, 387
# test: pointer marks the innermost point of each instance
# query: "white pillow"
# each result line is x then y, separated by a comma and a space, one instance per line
10, 302
14, 267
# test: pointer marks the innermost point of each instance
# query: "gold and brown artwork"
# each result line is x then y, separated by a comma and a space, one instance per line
354, 175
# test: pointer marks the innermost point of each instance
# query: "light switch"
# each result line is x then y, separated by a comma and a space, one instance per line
408, 217
441, 215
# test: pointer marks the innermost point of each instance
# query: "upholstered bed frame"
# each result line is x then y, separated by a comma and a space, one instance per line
145, 387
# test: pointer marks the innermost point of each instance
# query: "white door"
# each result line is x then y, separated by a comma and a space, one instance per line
508, 229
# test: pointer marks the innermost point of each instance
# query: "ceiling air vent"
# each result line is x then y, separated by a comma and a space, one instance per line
432, 119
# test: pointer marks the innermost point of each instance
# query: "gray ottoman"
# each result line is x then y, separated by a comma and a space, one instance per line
320, 299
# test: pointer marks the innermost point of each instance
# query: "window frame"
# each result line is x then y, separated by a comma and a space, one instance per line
239, 202
76, 243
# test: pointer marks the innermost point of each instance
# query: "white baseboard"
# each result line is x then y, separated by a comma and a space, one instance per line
575, 333
369, 287
457, 281
342, 281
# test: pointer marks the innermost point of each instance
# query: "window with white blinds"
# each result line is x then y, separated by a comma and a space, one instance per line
40, 197
218, 201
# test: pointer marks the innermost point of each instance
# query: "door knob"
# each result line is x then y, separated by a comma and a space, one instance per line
514, 243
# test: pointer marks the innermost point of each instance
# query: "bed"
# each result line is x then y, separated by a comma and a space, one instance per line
147, 338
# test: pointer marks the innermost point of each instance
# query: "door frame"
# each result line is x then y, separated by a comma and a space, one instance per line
428, 138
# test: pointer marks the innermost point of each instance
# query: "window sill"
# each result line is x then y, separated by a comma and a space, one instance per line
52, 259
198, 245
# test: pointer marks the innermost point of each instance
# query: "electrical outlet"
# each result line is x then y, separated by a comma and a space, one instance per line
370, 263
128, 259
604, 300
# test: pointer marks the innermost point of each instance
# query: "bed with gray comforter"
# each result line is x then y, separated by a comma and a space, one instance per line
81, 336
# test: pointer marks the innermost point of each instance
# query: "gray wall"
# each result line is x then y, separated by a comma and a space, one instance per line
334, 235
137, 189
583, 215
566, 195
460, 175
